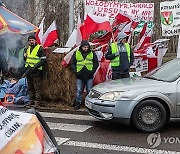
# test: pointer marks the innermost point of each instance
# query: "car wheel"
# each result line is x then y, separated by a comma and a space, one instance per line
149, 116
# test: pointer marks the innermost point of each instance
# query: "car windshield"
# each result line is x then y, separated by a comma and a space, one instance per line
168, 72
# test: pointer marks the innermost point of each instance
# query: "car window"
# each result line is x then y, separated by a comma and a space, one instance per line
168, 72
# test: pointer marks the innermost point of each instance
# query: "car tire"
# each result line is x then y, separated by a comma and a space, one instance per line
149, 116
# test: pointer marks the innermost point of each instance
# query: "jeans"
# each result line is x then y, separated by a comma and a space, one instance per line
80, 87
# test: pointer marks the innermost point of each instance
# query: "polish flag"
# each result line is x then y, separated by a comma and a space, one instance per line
143, 31
66, 60
50, 36
93, 24
121, 18
39, 33
146, 38
72, 39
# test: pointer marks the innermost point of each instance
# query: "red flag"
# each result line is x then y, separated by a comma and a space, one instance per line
94, 23
39, 33
50, 36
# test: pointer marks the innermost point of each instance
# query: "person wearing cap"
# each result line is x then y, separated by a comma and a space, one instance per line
121, 57
35, 58
84, 63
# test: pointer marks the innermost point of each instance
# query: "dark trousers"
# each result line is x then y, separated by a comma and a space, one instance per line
34, 87
117, 75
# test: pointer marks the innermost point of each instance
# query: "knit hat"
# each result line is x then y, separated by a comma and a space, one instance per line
84, 42
31, 37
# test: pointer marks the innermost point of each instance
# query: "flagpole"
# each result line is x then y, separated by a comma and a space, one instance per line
113, 37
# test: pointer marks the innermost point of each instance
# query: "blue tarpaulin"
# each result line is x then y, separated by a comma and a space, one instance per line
19, 89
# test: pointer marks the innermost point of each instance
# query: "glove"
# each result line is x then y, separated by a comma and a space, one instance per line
116, 54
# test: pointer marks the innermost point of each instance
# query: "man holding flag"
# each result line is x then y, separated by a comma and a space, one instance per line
35, 58
120, 56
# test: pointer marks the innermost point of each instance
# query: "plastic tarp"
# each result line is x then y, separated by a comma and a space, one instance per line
18, 89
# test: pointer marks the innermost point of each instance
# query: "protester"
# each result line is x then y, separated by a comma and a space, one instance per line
121, 57
84, 63
34, 60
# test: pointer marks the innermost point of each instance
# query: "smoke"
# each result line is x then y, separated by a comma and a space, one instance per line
10, 45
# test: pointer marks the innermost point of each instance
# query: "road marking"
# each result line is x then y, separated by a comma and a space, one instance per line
117, 148
68, 127
61, 140
67, 116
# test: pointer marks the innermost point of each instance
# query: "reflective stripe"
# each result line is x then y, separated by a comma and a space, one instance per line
81, 62
114, 49
32, 58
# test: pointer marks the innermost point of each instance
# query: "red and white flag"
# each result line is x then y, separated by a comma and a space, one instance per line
121, 18
146, 38
93, 24
72, 39
39, 33
79, 35
143, 31
50, 36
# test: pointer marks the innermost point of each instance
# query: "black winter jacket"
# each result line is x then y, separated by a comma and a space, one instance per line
124, 63
84, 74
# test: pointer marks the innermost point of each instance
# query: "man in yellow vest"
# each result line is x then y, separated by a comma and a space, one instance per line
35, 58
84, 63
121, 57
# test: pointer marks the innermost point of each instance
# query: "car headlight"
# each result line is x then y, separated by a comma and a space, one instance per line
110, 96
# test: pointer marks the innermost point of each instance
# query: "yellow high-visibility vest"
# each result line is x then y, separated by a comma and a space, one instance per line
81, 62
114, 49
32, 57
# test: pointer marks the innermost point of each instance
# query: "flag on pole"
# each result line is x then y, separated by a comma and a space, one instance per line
93, 24
79, 35
50, 36
39, 33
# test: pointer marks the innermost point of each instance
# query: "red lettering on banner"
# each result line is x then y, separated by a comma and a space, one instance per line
100, 3
106, 4
121, 5
151, 5
99, 9
125, 6
139, 5
87, 2
110, 10
145, 13
116, 4
125, 13
135, 12
99, 14
105, 10
111, 3
91, 2
111, 15
116, 10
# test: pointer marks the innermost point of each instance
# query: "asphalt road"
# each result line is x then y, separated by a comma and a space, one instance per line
79, 133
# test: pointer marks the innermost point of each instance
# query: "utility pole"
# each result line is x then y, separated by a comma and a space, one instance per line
71, 16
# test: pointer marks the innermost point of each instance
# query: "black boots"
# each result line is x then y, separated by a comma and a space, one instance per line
76, 105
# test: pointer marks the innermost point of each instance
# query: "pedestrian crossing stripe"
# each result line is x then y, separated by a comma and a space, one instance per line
68, 127
117, 148
68, 116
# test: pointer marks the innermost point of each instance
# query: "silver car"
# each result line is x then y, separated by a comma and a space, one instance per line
147, 102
